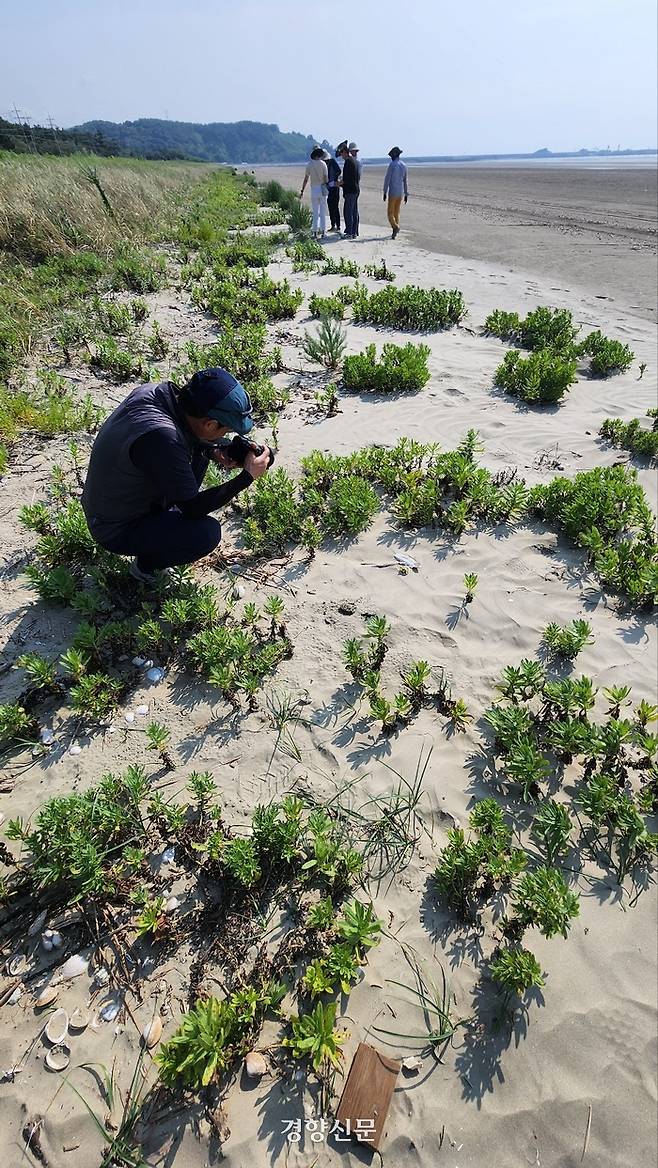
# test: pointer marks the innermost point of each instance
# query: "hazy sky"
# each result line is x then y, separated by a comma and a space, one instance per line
432, 76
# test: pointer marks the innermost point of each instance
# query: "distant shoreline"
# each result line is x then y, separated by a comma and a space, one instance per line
614, 160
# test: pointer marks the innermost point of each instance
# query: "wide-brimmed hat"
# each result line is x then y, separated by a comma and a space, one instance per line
325, 155
217, 394
352, 146
394, 152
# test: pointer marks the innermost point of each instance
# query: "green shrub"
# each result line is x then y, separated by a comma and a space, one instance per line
568, 640
542, 898
422, 309
305, 251
607, 356
544, 376
352, 503
136, 271
516, 970
630, 436
119, 362
380, 272
401, 368
300, 219
328, 345
254, 301
342, 267
326, 306
16, 725
549, 328
274, 516
503, 324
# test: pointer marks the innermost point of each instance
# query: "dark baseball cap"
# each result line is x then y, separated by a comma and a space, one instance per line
217, 394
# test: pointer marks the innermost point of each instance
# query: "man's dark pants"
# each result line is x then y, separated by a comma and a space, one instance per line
165, 539
333, 198
350, 212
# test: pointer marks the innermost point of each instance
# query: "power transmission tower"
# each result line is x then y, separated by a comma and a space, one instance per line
29, 143
54, 133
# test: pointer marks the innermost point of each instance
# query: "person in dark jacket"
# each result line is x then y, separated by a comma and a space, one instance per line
142, 496
350, 185
333, 197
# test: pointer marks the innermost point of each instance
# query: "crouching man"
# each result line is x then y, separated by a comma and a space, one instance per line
142, 495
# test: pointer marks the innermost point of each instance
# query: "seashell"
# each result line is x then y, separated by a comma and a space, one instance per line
101, 977
155, 674
15, 996
238, 592
75, 748
152, 1033
58, 1057
412, 1064
56, 940
406, 561
138, 661
75, 965
255, 1065
2, 818
167, 856
79, 1020
47, 996
148, 663
46, 940
16, 965
172, 904
57, 1027
141, 710
109, 1011
129, 717
46, 736
37, 924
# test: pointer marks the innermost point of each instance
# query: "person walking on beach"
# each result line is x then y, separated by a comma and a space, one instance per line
142, 495
316, 173
333, 197
395, 188
354, 151
350, 185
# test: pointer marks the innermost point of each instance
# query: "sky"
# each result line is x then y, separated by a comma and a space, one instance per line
431, 76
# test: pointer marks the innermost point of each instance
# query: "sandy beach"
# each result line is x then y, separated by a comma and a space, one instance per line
587, 229
571, 1078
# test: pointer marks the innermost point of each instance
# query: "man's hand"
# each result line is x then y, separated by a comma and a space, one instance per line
222, 459
405, 198
384, 198
257, 464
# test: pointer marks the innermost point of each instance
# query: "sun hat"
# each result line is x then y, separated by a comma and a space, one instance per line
394, 152
217, 394
352, 146
325, 155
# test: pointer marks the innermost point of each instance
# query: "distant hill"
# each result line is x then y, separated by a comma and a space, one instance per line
232, 142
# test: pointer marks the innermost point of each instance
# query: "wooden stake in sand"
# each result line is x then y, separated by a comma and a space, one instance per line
587, 1131
367, 1095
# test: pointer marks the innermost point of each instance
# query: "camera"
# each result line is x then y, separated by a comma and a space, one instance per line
238, 449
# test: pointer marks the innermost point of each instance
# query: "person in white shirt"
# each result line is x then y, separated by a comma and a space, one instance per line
318, 176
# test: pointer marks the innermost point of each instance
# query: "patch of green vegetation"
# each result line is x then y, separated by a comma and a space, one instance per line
417, 309
400, 369
631, 436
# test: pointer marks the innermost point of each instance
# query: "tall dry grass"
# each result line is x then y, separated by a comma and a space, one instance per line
51, 206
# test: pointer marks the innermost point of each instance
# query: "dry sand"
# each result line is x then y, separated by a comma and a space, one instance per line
585, 1047
591, 230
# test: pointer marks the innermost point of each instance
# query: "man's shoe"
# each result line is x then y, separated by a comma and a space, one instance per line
395, 231
148, 579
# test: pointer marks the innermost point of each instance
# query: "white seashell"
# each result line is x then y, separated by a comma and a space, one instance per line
167, 856
2, 818
57, 1027
141, 710
37, 924
172, 904
58, 1058
46, 736
129, 717
56, 940
79, 1020
75, 965
47, 941
46, 997
101, 977
412, 1064
238, 592
152, 1033
155, 674
255, 1065
109, 1011
138, 661
15, 996
75, 748
148, 663
407, 561
16, 965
